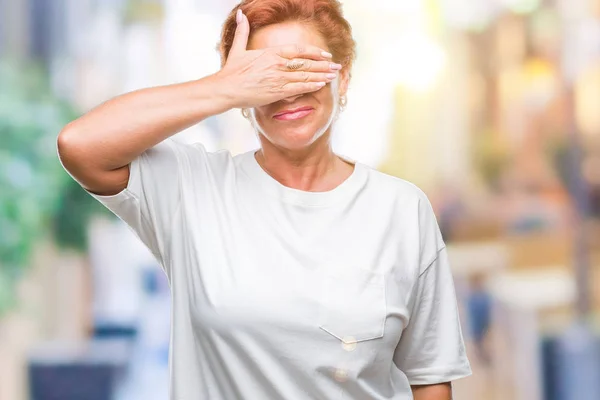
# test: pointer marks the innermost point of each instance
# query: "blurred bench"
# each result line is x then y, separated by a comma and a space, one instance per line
527, 306
77, 371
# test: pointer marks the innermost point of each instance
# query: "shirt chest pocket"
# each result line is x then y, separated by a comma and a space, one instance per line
352, 304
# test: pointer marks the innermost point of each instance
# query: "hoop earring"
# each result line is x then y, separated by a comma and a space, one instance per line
245, 113
343, 102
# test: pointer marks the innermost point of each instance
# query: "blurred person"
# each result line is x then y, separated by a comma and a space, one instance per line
479, 304
296, 273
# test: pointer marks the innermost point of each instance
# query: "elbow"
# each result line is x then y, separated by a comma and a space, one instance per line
65, 137
75, 151
68, 145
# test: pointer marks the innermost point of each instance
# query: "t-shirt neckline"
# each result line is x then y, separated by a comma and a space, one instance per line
347, 189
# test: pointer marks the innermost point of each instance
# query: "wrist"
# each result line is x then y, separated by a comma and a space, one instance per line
222, 93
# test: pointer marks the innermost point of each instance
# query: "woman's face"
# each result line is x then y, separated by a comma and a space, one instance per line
302, 129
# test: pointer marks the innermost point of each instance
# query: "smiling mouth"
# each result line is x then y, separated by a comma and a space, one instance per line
292, 115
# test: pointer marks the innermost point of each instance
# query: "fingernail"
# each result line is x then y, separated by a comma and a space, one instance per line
326, 54
238, 16
335, 66
331, 76
320, 84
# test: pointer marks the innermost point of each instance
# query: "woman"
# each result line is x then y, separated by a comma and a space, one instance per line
295, 273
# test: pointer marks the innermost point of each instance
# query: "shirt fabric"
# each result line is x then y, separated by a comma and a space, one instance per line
279, 293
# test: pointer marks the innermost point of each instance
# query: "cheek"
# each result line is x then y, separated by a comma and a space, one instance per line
261, 114
326, 100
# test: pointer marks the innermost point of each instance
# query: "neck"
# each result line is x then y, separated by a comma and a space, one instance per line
314, 168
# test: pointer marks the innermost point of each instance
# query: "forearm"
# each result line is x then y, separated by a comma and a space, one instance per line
442, 391
111, 135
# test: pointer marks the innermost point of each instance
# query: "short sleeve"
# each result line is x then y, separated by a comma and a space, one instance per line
430, 236
150, 202
431, 349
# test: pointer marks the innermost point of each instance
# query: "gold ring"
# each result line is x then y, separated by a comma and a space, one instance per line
294, 64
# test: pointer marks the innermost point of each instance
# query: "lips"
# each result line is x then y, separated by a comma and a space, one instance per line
293, 114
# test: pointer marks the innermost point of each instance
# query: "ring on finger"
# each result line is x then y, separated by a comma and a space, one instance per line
294, 64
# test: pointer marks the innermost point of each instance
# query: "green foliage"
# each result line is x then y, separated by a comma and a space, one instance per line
70, 220
37, 196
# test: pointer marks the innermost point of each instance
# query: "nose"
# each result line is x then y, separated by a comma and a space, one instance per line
291, 99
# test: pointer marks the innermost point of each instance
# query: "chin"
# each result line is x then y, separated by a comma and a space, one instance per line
295, 138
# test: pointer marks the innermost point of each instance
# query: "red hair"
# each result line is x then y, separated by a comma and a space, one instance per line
325, 16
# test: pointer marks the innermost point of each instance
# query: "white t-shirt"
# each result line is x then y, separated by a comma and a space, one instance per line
279, 293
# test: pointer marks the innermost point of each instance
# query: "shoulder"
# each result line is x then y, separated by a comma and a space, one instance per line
197, 154
407, 200
396, 187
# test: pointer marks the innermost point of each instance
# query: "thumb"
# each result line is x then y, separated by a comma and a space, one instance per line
240, 41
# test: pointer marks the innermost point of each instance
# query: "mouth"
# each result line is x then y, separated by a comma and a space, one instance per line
293, 114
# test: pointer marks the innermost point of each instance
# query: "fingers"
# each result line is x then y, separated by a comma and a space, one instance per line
298, 51
313, 66
242, 31
304, 76
296, 88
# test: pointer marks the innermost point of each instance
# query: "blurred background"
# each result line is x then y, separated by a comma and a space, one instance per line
492, 107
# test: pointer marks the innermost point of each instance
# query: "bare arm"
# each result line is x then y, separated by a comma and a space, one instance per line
442, 391
98, 147
115, 151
